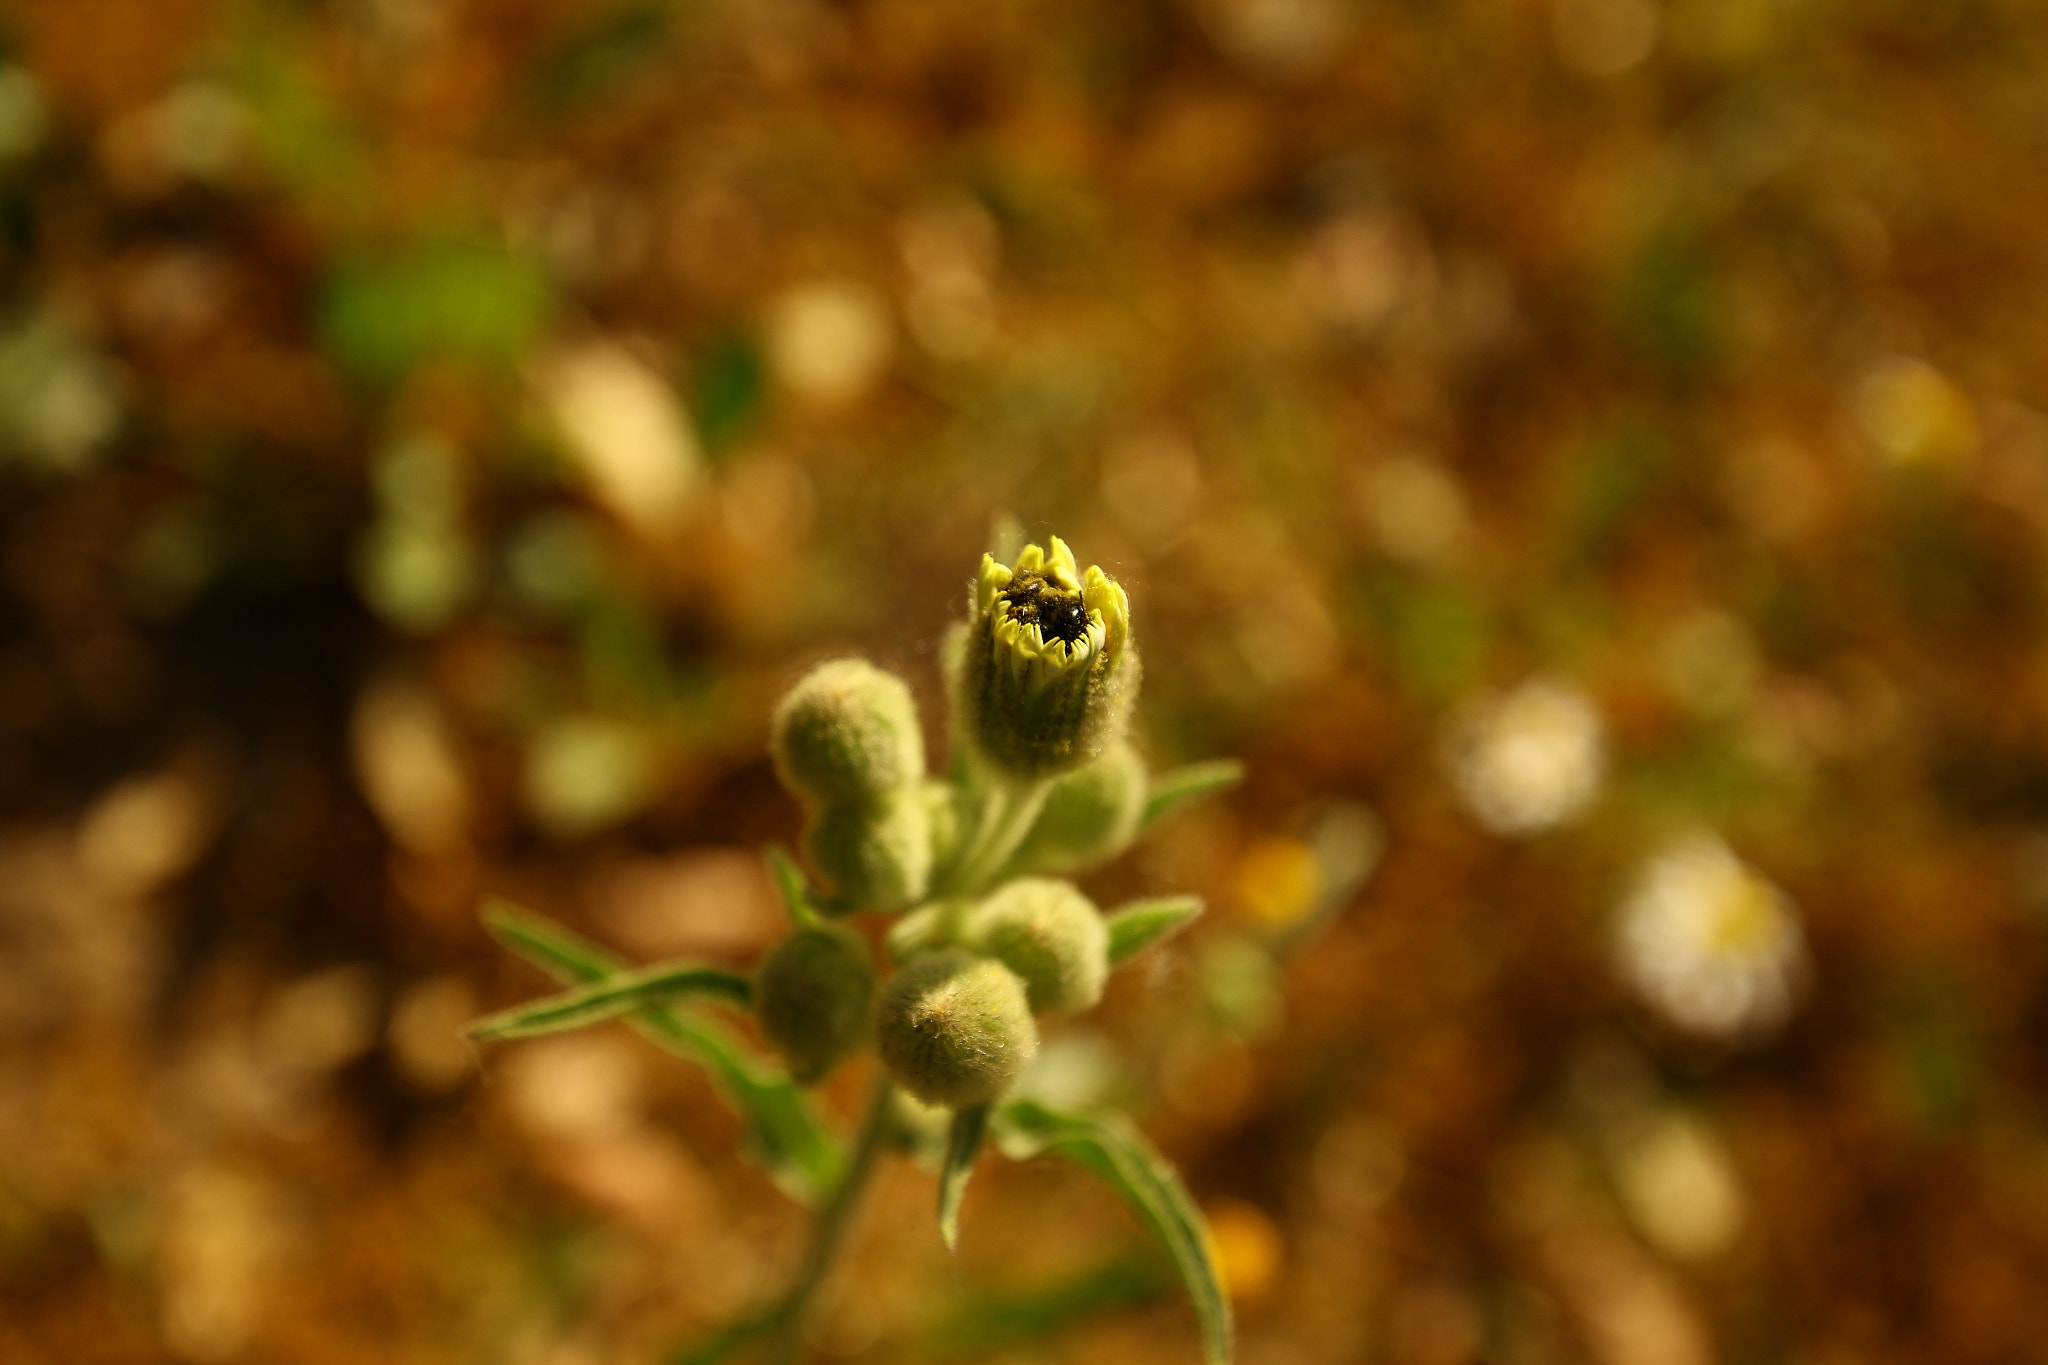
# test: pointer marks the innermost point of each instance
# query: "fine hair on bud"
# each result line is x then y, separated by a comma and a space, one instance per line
1090, 815
876, 856
1051, 936
955, 1029
814, 995
847, 734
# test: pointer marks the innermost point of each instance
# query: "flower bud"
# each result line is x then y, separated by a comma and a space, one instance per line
1051, 936
847, 734
873, 857
813, 994
1090, 815
1047, 671
955, 1029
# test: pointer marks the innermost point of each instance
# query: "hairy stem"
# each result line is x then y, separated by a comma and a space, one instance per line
1008, 811
786, 1332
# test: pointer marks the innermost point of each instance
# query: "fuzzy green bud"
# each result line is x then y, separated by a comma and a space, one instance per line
1047, 671
1051, 936
814, 994
955, 1029
873, 857
847, 734
1090, 815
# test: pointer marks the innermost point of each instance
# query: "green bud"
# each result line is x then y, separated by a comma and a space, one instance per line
955, 1029
1051, 936
1047, 671
874, 857
1090, 815
813, 994
847, 734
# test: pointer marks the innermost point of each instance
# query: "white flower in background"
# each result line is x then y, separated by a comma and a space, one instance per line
1528, 759
1710, 943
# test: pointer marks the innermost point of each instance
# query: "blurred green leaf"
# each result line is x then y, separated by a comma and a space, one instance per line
963, 1146
385, 314
728, 386
794, 887
662, 984
787, 1137
1172, 790
1140, 924
1113, 1149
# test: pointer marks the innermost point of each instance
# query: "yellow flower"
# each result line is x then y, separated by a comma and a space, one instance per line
1048, 672
1048, 617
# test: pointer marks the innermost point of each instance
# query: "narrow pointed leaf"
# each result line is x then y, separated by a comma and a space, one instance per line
1172, 790
1111, 1148
963, 1145
802, 1156
1141, 924
795, 889
662, 984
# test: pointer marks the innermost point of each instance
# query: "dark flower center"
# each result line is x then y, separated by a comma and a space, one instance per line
1035, 600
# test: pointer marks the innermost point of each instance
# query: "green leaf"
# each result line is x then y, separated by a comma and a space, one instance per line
795, 889
615, 995
382, 315
963, 1145
1140, 924
1175, 789
728, 390
1114, 1150
787, 1137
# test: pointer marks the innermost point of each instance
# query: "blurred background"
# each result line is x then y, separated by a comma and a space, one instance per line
1590, 457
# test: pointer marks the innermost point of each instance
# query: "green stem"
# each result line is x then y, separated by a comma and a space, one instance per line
987, 814
1008, 811
786, 1332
